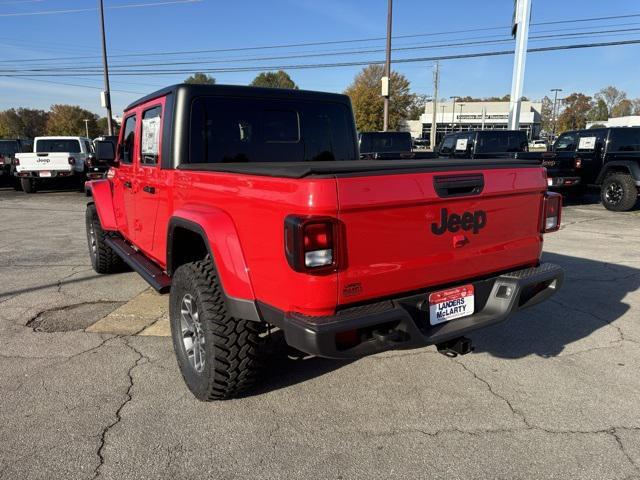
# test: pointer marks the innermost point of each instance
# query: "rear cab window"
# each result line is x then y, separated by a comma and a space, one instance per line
448, 144
385, 142
237, 130
9, 148
501, 142
625, 140
50, 145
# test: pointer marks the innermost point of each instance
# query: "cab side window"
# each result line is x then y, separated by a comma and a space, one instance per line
448, 144
567, 142
150, 136
128, 137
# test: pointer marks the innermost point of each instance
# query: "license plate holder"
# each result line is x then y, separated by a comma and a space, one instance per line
45, 173
451, 304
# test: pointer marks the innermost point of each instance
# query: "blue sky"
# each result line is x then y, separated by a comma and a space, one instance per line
27, 34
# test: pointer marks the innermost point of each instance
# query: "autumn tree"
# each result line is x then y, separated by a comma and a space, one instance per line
623, 108
201, 79
368, 104
599, 111
22, 123
417, 106
546, 114
103, 128
574, 115
70, 120
636, 106
279, 79
611, 96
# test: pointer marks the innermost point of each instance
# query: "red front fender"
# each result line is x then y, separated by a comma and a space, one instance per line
103, 198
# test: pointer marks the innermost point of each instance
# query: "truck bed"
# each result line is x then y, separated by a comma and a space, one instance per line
359, 167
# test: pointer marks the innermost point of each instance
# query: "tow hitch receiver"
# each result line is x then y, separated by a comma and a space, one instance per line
455, 347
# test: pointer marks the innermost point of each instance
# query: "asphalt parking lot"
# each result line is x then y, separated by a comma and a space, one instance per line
89, 386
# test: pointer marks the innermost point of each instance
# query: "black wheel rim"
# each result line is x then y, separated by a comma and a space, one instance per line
613, 193
192, 333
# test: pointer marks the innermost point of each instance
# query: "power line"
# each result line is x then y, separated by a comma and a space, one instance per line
85, 10
346, 64
120, 67
319, 43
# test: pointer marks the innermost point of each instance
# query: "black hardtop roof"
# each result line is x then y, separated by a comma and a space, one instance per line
241, 91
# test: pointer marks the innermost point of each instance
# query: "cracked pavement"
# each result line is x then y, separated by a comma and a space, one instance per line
552, 393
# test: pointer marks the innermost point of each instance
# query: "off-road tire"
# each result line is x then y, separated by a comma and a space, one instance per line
103, 258
28, 185
619, 192
230, 347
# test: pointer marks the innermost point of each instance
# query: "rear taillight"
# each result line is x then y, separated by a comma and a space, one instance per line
577, 163
16, 161
72, 160
312, 243
552, 211
89, 162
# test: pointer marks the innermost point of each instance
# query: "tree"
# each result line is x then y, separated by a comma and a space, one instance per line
103, 128
279, 79
69, 120
417, 106
636, 106
622, 109
576, 108
598, 125
611, 96
368, 104
22, 123
201, 79
546, 114
599, 111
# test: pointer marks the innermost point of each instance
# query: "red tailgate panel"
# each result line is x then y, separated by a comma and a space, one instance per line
390, 244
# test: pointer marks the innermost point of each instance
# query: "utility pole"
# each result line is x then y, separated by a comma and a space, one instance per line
521, 18
387, 69
453, 111
106, 94
553, 114
442, 120
86, 126
434, 124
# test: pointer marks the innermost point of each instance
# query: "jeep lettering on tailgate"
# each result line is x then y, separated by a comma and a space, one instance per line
467, 221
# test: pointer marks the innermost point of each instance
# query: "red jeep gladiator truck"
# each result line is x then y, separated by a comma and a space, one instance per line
252, 208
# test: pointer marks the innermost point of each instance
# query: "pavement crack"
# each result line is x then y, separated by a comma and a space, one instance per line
613, 432
118, 414
517, 413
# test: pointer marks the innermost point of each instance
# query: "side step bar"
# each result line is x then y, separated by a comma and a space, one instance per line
141, 264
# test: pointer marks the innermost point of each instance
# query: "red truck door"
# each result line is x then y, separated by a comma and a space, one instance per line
149, 187
123, 181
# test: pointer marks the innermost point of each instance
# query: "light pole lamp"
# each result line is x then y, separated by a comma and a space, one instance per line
553, 113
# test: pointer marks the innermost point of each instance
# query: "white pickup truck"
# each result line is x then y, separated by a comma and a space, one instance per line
53, 157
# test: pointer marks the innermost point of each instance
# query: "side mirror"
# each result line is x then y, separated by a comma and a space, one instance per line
106, 152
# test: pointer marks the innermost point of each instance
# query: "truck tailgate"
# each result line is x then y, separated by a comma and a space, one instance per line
397, 241
35, 162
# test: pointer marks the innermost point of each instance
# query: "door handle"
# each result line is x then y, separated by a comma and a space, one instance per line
126, 184
149, 189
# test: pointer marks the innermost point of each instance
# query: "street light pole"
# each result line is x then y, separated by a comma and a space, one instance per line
386, 80
453, 110
106, 99
460, 115
86, 126
554, 116
522, 15
442, 120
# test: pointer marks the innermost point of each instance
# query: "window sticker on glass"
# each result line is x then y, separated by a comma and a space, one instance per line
461, 144
150, 136
587, 143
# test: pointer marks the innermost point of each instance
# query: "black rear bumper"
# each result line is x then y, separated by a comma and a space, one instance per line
402, 323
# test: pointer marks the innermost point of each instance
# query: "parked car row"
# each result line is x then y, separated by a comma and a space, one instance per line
607, 159
53, 157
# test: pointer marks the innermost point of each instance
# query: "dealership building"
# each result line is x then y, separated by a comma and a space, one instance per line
452, 117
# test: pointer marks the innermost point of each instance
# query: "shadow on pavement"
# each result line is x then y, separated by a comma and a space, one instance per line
592, 297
